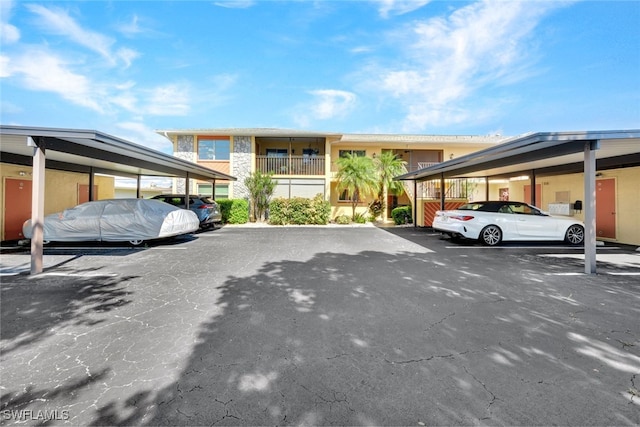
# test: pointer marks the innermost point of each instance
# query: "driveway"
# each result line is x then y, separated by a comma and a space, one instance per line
321, 326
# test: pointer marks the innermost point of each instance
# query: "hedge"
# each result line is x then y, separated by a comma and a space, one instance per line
299, 210
234, 211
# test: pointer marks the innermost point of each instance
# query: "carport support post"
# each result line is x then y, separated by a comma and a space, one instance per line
441, 191
486, 188
92, 180
415, 204
37, 203
138, 191
590, 208
187, 192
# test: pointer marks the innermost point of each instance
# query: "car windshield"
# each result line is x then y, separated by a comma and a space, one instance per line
206, 199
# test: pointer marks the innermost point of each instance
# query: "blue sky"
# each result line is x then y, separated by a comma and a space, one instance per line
388, 66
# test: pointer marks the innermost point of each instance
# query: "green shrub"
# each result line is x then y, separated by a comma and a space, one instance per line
343, 219
319, 211
359, 218
278, 211
299, 210
234, 211
402, 215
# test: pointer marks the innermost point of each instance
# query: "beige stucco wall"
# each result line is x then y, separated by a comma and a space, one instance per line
61, 188
627, 196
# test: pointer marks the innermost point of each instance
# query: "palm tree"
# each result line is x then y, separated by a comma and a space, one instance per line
356, 175
388, 166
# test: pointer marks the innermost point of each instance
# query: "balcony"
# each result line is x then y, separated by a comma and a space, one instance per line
291, 165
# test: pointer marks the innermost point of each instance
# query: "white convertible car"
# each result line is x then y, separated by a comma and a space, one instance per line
117, 220
495, 222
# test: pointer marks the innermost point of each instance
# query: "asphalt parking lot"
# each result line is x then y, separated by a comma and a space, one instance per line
320, 326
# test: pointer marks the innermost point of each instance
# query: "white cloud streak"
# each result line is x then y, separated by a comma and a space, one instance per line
235, 4
58, 21
450, 58
399, 7
8, 33
58, 78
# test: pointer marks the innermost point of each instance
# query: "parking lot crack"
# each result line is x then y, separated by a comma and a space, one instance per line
484, 386
424, 359
440, 321
633, 390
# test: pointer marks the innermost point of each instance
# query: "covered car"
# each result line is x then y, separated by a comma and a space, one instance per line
117, 220
495, 221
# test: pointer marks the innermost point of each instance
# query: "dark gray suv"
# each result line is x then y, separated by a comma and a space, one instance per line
205, 207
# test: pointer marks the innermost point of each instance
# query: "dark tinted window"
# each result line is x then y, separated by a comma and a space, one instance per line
480, 206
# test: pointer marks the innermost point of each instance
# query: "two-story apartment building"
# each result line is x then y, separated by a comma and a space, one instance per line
304, 162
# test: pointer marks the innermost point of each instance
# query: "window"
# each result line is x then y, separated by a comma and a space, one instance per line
277, 152
345, 196
213, 149
222, 190
354, 153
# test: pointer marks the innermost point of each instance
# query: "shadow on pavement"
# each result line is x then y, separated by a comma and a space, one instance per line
380, 339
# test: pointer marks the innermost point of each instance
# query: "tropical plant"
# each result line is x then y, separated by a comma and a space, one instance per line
261, 187
388, 166
356, 175
343, 219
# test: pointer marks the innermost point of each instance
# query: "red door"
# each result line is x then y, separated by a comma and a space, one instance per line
17, 207
606, 208
527, 195
83, 193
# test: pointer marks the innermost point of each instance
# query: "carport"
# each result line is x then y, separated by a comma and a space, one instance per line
90, 152
545, 153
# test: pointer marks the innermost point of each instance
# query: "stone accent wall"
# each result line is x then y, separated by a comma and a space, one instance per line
241, 167
186, 151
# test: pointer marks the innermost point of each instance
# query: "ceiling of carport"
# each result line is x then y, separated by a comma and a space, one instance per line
546, 153
83, 150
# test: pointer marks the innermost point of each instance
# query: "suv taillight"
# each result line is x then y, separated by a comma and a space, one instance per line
205, 207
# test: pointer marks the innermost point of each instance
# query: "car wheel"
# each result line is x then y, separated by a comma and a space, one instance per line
491, 235
574, 235
135, 242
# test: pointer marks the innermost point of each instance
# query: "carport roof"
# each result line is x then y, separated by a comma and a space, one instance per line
544, 152
80, 150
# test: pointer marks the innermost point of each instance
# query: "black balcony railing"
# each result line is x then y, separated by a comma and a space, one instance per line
291, 165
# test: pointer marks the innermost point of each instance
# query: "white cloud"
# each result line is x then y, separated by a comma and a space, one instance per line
449, 59
131, 28
168, 100
332, 103
235, 4
139, 133
327, 104
8, 33
58, 21
399, 7
28, 68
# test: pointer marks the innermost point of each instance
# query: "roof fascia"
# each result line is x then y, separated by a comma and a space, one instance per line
518, 146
